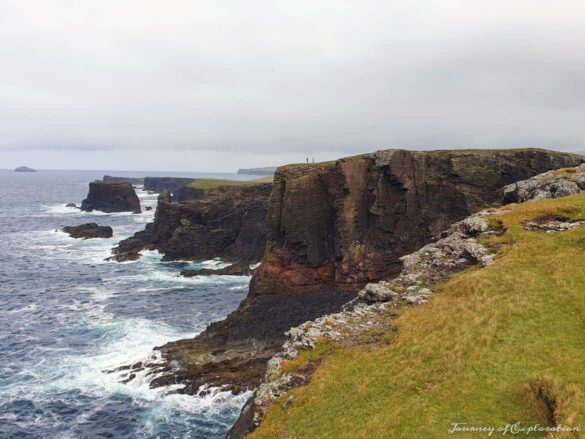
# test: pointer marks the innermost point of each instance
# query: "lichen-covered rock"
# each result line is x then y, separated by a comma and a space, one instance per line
552, 225
89, 230
111, 197
552, 184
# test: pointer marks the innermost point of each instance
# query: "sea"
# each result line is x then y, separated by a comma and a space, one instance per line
68, 316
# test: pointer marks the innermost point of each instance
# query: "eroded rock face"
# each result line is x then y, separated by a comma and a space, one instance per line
111, 197
456, 250
552, 184
89, 230
228, 222
343, 224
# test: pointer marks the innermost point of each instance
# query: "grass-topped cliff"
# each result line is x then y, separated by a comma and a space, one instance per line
499, 345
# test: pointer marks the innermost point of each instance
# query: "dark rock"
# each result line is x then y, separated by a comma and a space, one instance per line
25, 169
111, 197
89, 230
72, 205
148, 208
237, 269
228, 222
346, 223
135, 181
160, 184
232, 353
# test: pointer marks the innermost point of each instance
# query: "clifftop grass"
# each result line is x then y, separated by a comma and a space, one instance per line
212, 183
498, 345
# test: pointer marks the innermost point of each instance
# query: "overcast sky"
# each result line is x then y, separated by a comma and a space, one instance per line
216, 85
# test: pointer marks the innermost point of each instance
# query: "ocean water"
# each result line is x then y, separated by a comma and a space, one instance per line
67, 316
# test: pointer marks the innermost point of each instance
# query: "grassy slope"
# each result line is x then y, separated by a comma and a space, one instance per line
478, 353
211, 183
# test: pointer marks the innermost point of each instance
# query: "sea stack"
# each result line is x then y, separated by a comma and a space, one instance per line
111, 197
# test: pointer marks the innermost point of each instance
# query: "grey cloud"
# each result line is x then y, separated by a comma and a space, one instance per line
290, 77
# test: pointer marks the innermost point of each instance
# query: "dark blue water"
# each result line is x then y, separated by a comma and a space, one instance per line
66, 316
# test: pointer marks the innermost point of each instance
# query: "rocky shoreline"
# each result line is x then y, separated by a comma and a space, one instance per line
324, 233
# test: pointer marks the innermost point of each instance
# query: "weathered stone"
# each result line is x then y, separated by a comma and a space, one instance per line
111, 197
228, 222
552, 184
89, 230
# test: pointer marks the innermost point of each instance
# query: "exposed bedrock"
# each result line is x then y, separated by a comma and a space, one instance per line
342, 224
111, 197
232, 353
227, 222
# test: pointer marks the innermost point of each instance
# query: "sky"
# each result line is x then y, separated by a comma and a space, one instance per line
217, 85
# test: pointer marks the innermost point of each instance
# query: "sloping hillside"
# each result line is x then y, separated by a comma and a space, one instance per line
499, 345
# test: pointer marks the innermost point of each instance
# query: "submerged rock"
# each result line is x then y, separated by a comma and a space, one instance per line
89, 230
72, 205
111, 197
237, 269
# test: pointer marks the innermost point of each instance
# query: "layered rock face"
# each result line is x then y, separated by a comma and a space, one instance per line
227, 222
342, 224
111, 197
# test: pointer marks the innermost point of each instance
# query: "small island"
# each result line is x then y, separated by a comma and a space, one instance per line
25, 169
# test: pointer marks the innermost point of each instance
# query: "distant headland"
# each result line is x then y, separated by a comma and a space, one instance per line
25, 169
258, 171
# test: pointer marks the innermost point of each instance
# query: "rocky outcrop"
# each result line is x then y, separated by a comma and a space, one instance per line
88, 231
161, 184
237, 269
457, 250
134, 181
25, 169
227, 222
343, 224
552, 184
232, 354
111, 197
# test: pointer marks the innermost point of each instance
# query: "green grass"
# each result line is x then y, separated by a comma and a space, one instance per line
498, 345
212, 183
